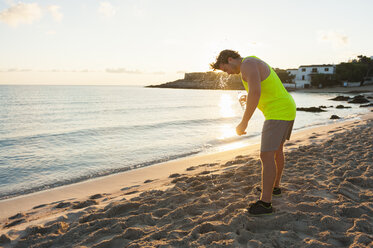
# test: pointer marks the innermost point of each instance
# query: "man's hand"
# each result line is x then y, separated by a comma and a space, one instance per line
240, 129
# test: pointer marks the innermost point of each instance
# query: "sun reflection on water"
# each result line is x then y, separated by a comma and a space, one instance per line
227, 131
226, 106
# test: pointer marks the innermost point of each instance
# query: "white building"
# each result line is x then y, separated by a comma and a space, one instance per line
304, 72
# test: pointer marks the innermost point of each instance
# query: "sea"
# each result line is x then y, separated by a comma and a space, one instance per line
58, 135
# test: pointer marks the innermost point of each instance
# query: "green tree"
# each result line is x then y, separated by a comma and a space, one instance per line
325, 80
354, 71
368, 62
286, 77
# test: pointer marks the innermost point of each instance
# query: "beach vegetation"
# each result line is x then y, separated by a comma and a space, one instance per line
323, 80
285, 76
355, 70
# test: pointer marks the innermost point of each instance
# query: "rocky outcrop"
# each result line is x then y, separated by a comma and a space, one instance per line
205, 80
341, 98
341, 107
184, 84
359, 99
355, 99
311, 109
366, 105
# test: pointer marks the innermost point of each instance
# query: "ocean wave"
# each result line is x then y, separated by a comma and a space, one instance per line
94, 175
85, 112
114, 129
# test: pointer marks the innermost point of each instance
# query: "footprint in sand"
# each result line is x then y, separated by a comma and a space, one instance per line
174, 175
148, 181
191, 168
132, 192
84, 204
39, 206
127, 188
96, 196
14, 223
234, 162
204, 173
179, 179
63, 205
17, 216
292, 143
208, 165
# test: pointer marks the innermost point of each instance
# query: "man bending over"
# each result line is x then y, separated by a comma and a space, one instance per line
265, 92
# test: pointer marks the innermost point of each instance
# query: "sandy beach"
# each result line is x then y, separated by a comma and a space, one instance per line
186, 124
202, 201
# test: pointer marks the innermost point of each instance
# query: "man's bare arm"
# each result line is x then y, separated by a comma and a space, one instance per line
251, 74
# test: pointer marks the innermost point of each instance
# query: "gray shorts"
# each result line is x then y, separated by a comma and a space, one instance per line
274, 133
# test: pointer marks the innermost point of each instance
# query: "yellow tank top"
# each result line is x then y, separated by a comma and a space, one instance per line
275, 101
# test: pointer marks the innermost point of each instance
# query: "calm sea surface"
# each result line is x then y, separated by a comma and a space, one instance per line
57, 135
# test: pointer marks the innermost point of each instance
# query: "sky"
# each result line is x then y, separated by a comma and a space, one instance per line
142, 42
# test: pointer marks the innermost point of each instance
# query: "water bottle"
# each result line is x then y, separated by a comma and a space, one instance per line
242, 98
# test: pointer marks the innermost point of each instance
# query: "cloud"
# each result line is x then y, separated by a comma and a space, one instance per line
123, 70
54, 10
21, 13
337, 39
68, 71
15, 70
106, 9
126, 71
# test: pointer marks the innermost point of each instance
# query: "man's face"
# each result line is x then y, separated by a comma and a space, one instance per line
230, 67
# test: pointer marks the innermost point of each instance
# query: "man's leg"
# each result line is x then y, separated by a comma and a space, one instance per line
280, 161
268, 175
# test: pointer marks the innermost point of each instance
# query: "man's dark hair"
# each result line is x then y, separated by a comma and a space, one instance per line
223, 58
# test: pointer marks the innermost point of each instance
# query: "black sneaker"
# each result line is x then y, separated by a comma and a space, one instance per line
260, 208
276, 192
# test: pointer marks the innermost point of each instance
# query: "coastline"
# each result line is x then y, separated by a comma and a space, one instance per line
40, 208
340, 89
157, 173
210, 85
213, 147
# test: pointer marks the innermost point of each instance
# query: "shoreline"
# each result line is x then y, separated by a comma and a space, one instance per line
81, 188
335, 89
212, 151
367, 90
341, 89
201, 200
157, 174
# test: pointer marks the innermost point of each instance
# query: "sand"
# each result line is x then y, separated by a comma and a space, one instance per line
202, 201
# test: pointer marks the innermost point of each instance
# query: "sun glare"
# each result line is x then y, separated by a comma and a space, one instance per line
227, 131
226, 109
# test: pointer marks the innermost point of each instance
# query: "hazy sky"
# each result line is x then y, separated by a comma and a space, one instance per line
155, 41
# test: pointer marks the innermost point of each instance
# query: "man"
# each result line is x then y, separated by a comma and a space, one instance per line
265, 92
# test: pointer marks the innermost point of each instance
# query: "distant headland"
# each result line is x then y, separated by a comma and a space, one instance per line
205, 80
355, 73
